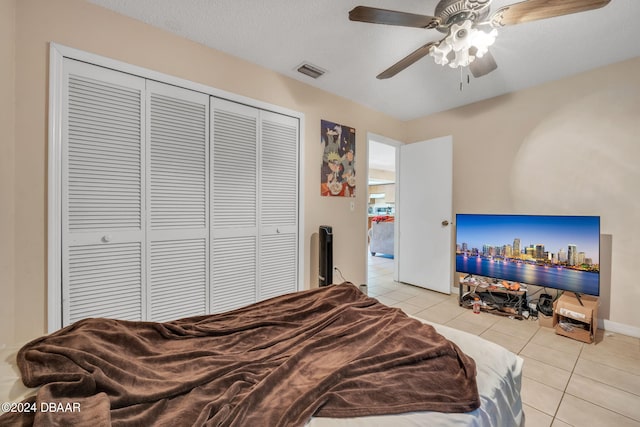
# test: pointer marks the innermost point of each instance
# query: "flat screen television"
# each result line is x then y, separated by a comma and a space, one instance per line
551, 251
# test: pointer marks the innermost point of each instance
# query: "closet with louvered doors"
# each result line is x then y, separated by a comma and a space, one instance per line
174, 203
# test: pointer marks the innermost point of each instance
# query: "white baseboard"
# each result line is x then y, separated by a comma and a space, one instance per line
619, 328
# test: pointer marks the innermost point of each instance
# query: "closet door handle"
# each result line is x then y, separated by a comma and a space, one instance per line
106, 238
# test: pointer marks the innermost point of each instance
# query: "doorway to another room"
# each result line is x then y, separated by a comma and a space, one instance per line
381, 209
409, 212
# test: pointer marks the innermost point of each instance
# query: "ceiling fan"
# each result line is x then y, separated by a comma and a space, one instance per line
469, 26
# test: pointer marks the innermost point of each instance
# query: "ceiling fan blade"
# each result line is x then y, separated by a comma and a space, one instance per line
406, 61
391, 17
533, 10
483, 66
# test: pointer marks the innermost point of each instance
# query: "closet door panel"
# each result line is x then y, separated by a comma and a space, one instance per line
102, 196
178, 151
234, 272
234, 208
278, 250
104, 280
178, 278
278, 170
278, 264
178, 200
235, 166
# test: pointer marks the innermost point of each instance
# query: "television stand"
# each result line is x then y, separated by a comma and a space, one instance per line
578, 297
495, 299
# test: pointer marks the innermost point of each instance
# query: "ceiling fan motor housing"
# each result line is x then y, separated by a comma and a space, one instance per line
456, 11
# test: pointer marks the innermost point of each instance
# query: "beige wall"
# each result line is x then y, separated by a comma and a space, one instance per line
7, 192
567, 147
84, 26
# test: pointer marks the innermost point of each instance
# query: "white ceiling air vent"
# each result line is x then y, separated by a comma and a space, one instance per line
310, 70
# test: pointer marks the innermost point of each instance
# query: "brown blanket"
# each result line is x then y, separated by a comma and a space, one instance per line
328, 352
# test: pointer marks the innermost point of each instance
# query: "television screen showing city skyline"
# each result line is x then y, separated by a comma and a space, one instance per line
561, 252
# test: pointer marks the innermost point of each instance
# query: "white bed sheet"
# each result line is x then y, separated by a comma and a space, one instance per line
499, 382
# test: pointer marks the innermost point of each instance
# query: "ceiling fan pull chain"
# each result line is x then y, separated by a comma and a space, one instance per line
461, 79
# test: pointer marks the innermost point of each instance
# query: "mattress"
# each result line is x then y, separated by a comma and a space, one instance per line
499, 381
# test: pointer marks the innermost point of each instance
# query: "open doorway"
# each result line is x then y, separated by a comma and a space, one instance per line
382, 162
421, 207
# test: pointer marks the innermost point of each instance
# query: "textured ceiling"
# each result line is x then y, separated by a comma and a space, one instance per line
281, 34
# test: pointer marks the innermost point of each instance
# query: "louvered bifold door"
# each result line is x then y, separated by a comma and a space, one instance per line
234, 204
102, 186
278, 250
178, 202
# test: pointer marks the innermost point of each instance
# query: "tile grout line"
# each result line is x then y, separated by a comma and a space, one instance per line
564, 392
553, 417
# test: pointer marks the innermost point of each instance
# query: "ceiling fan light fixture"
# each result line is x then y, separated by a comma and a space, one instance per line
462, 45
482, 40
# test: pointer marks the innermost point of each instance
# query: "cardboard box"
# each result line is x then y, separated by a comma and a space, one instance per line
576, 321
545, 321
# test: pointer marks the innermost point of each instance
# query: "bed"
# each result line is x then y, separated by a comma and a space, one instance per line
499, 374
324, 357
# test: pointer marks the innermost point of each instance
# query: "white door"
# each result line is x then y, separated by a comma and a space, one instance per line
424, 214
103, 223
278, 200
234, 201
177, 202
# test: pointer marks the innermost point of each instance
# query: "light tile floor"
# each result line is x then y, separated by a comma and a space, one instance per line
565, 382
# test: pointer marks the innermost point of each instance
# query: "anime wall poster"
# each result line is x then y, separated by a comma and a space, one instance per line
338, 174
